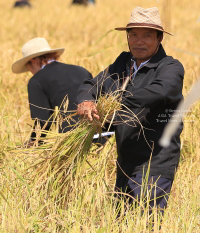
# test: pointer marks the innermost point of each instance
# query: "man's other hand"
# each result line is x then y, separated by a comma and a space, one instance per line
88, 110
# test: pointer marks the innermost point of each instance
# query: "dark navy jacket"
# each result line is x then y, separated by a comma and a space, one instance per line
48, 87
152, 97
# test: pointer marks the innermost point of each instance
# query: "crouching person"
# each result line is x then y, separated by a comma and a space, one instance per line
52, 81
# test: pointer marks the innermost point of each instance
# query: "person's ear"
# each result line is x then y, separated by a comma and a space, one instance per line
160, 38
32, 61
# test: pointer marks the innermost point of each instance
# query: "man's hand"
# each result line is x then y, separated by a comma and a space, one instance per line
88, 110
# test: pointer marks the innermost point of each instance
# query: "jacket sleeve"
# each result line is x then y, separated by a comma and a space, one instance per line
39, 105
106, 81
90, 88
166, 88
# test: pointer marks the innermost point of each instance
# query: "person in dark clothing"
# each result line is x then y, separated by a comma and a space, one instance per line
153, 88
22, 3
83, 2
52, 81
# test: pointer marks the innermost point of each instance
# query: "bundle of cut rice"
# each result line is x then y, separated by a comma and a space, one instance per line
56, 167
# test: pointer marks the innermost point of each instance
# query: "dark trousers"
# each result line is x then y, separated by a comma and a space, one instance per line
159, 193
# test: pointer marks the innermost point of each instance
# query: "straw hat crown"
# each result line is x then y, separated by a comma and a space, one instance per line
147, 18
33, 48
150, 15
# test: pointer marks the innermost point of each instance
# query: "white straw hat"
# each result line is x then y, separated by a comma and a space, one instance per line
33, 48
147, 18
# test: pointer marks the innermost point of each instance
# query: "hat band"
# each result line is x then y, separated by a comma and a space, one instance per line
145, 25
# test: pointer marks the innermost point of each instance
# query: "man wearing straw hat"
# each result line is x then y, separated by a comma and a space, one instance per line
52, 81
152, 88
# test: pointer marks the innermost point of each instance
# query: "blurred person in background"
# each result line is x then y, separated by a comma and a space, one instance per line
83, 2
52, 81
153, 90
22, 3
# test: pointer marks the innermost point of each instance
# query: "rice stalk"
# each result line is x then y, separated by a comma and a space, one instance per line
56, 170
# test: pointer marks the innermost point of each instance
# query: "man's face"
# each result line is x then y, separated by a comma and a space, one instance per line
143, 43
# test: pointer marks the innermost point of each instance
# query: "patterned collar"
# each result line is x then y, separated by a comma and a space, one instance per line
135, 67
49, 61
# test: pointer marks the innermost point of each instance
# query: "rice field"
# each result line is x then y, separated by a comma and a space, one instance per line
90, 41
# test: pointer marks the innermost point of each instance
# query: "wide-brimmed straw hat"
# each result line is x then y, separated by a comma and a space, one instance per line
33, 48
145, 18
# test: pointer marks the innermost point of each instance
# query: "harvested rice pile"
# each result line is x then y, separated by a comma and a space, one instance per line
55, 167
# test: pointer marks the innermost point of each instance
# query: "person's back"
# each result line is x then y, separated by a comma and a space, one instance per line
56, 80
52, 81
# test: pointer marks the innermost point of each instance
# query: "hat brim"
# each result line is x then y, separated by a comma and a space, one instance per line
129, 27
20, 65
